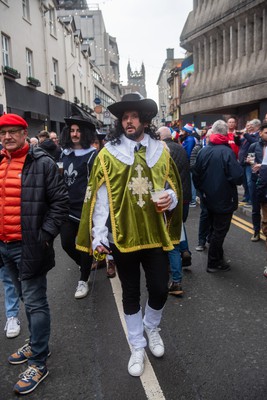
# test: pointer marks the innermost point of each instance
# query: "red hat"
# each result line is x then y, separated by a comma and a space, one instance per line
12, 119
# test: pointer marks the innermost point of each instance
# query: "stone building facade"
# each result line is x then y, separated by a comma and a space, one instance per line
49, 61
228, 40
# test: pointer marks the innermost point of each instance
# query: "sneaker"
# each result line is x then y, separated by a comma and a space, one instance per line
12, 327
192, 204
30, 379
136, 363
21, 355
255, 237
220, 268
155, 342
111, 269
265, 272
175, 289
200, 247
186, 259
82, 290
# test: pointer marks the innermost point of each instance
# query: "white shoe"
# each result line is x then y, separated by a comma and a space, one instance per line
12, 327
82, 290
155, 342
136, 363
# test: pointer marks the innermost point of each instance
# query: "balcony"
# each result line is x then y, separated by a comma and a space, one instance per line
11, 72
58, 89
33, 81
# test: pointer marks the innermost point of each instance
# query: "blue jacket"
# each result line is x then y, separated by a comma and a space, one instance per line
188, 144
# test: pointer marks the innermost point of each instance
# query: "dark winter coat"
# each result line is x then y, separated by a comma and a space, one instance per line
44, 206
180, 158
51, 148
257, 148
244, 144
215, 175
261, 186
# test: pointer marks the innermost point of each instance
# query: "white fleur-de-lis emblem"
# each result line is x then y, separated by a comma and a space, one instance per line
140, 185
70, 175
88, 194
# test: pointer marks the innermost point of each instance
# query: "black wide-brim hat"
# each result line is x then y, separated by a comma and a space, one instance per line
79, 120
134, 102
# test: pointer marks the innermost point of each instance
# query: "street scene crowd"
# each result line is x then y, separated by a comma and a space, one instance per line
119, 201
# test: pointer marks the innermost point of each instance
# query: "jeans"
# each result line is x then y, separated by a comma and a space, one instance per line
183, 246
245, 185
11, 296
155, 265
33, 294
193, 190
248, 172
175, 264
220, 226
68, 233
256, 208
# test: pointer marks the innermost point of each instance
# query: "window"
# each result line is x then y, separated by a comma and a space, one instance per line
81, 92
74, 85
55, 72
52, 22
26, 9
29, 63
5, 50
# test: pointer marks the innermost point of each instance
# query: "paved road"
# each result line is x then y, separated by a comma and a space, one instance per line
215, 336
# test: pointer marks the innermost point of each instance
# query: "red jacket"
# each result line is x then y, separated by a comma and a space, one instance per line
231, 142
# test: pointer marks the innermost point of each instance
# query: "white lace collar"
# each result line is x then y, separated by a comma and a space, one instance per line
124, 151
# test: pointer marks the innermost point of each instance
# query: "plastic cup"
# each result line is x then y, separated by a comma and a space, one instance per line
155, 196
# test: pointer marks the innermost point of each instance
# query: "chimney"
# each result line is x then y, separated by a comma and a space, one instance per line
170, 54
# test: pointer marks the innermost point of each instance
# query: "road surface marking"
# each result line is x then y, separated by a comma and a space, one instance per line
246, 226
148, 379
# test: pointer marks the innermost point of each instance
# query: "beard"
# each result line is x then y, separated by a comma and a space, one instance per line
136, 135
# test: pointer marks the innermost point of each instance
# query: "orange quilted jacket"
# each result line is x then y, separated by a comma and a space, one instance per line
10, 194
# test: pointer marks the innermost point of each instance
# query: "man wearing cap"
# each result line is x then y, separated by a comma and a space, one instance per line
118, 212
34, 203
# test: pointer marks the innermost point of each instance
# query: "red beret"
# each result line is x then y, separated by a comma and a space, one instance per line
12, 119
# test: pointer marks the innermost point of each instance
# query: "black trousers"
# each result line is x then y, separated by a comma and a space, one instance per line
155, 265
220, 224
68, 233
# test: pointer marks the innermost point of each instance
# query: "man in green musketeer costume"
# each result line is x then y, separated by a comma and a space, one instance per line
118, 211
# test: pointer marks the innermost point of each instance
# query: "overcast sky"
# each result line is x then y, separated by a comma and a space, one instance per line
144, 29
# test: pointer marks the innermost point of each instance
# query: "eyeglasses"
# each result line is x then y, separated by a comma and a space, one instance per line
11, 132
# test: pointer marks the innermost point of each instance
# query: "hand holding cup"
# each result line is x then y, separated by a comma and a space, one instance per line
161, 199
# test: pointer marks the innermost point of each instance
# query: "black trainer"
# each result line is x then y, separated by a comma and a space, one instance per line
220, 268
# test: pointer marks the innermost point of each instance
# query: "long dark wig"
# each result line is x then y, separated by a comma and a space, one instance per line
88, 136
113, 135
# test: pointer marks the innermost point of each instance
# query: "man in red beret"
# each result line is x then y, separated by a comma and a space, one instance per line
33, 204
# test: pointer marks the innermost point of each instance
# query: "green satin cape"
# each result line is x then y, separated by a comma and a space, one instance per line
135, 223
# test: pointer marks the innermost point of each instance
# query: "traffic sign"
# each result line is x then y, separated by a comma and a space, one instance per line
97, 100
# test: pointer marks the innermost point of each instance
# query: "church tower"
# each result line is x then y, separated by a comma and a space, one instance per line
137, 80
